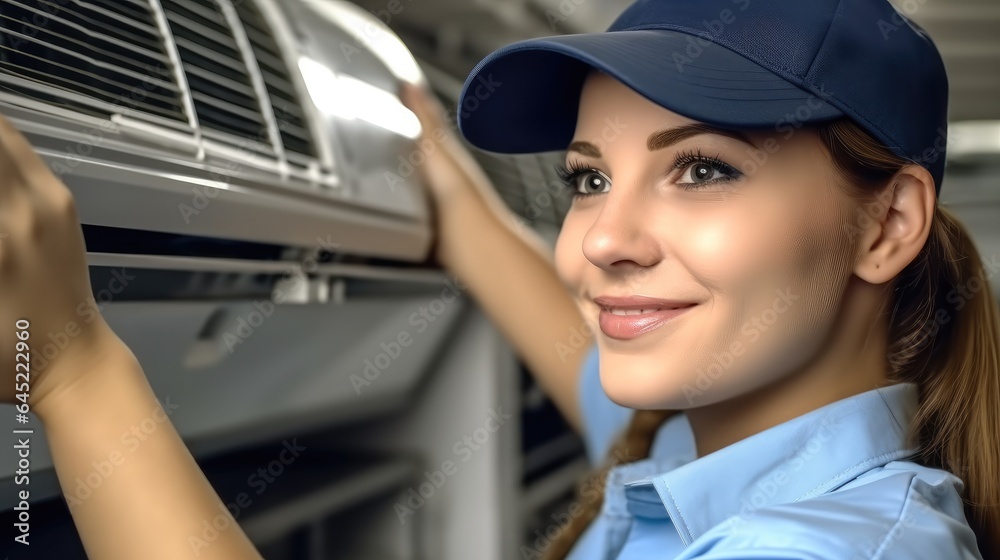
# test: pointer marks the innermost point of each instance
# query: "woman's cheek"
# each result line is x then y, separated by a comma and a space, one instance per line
723, 248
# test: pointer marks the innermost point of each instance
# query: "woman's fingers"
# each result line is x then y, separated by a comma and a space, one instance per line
449, 166
24, 170
416, 101
20, 150
430, 111
10, 175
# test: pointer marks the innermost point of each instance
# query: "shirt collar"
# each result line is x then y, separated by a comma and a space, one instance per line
804, 457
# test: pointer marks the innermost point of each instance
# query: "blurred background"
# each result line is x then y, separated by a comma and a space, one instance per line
258, 237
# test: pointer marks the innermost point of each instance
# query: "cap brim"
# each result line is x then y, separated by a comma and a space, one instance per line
524, 97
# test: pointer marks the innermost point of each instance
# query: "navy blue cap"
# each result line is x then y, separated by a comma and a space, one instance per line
743, 64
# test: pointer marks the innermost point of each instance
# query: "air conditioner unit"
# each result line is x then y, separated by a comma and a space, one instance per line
254, 224
252, 121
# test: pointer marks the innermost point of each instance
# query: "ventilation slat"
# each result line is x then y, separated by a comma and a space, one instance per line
256, 35
276, 87
225, 84
228, 61
128, 52
66, 52
223, 94
123, 99
243, 112
209, 5
127, 8
113, 29
59, 98
105, 19
213, 88
197, 34
295, 134
97, 85
295, 138
68, 55
271, 63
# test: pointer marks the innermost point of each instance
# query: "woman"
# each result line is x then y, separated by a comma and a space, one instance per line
796, 309
756, 239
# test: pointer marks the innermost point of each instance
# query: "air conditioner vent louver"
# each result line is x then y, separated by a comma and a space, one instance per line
287, 111
151, 109
98, 57
224, 99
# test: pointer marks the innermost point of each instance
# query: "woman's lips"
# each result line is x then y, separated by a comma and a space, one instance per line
636, 322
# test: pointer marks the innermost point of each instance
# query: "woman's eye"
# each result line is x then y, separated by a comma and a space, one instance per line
585, 182
592, 182
702, 172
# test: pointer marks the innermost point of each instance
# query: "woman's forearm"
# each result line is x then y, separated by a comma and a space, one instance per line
132, 486
512, 276
505, 266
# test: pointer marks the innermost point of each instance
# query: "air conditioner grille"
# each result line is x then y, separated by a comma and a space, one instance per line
224, 99
98, 57
287, 109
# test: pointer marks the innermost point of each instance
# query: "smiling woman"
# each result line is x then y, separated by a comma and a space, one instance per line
761, 360
776, 344
759, 250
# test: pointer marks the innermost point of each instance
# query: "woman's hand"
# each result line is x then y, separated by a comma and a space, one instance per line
448, 168
456, 181
44, 281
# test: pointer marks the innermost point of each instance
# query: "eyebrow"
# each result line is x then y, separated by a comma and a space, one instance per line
664, 138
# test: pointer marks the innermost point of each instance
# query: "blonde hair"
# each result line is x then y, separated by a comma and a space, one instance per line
949, 345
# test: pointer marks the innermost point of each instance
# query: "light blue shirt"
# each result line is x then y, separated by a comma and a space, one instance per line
832, 484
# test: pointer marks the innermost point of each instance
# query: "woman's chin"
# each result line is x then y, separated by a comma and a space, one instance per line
641, 394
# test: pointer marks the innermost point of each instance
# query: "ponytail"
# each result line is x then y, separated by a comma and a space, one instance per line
946, 332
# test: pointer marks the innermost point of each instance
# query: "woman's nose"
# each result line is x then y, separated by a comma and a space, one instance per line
622, 234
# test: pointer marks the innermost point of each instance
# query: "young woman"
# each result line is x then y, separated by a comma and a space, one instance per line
756, 240
768, 257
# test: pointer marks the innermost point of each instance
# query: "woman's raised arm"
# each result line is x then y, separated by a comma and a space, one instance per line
507, 268
153, 501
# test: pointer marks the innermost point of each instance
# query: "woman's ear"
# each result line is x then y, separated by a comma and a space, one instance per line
899, 222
